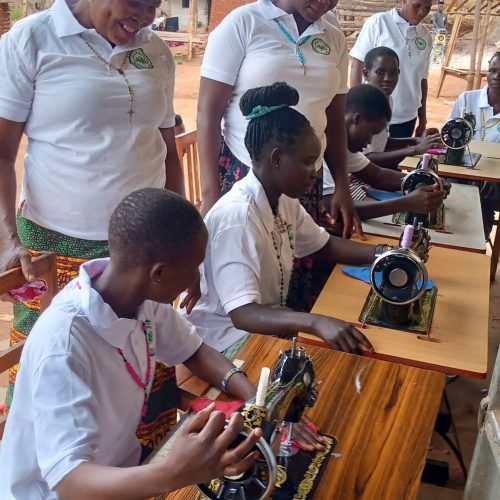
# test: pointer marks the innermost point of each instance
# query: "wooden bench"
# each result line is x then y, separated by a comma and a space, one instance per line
187, 149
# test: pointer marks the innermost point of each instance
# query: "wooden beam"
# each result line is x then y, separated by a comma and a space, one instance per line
449, 51
484, 31
193, 26
475, 37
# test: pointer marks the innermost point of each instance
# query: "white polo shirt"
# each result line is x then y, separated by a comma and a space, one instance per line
248, 50
75, 400
413, 45
84, 154
355, 162
241, 264
487, 124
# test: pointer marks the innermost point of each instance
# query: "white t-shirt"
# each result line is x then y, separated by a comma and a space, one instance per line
413, 45
355, 162
84, 154
75, 400
487, 124
248, 50
241, 265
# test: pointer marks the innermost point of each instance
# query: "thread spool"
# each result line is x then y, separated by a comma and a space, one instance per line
260, 398
407, 239
426, 158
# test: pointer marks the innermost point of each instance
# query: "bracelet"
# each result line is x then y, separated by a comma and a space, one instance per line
229, 374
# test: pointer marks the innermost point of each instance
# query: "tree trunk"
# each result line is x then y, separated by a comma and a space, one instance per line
4, 18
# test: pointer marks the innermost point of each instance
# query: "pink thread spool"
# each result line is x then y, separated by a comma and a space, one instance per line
407, 236
426, 158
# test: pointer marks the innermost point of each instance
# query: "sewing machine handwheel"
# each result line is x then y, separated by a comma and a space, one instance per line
256, 483
457, 133
418, 178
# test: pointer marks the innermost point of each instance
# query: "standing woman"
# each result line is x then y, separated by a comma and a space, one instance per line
402, 31
92, 88
257, 45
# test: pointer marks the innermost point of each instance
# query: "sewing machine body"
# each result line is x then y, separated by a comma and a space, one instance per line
456, 135
399, 278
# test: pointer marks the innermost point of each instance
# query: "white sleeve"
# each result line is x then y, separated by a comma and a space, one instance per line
169, 119
17, 79
456, 112
176, 337
236, 255
355, 162
427, 66
64, 412
343, 68
225, 51
366, 40
309, 237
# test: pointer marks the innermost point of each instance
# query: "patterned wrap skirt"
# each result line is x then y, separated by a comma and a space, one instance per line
71, 253
309, 275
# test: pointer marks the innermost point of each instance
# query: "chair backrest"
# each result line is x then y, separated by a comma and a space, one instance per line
187, 149
44, 267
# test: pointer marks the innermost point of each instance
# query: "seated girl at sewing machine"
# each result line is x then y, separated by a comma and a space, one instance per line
258, 227
93, 386
381, 70
368, 113
484, 104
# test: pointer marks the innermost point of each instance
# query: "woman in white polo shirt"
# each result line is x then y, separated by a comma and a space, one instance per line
92, 88
257, 229
402, 31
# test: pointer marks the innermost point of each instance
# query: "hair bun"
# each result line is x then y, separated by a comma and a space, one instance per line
279, 93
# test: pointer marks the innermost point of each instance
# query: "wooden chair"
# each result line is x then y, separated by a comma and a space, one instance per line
44, 267
187, 149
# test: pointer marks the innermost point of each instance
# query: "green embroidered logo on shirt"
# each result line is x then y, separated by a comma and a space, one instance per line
321, 47
420, 43
139, 59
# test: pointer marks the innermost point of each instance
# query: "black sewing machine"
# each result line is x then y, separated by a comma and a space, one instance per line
426, 174
399, 278
456, 135
291, 390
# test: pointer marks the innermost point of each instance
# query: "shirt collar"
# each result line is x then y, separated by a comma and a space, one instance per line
409, 29
252, 185
66, 24
106, 323
270, 11
483, 98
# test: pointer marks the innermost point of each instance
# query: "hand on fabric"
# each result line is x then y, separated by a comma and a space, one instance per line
306, 436
193, 294
426, 142
202, 449
425, 199
339, 334
13, 253
342, 204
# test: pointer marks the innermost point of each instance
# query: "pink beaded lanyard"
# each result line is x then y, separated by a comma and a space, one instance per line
148, 336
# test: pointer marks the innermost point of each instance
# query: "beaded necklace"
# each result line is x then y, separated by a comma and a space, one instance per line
121, 71
148, 337
485, 127
407, 40
281, 227
294, 42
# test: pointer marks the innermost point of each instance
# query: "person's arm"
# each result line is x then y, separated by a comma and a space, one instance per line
12, 252
212, 102
211, 366
173, 169
380, 178
356, 72
201, 452
335, 158
422, 111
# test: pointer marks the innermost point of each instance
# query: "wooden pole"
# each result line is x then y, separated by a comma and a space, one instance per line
475, 37
25, 8
484, 32
193, 26
4, 17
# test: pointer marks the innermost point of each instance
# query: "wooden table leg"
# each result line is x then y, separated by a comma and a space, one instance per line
495, 254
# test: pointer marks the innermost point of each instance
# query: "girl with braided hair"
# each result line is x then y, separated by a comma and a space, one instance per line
257, 228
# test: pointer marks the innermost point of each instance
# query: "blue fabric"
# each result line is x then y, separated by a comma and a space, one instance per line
363, 274
382, 195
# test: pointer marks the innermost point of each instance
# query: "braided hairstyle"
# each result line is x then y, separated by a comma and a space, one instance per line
281, 126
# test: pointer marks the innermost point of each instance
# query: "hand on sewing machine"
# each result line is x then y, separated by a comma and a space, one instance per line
202, 451
306, 435
426, 142
339, 334
425, 199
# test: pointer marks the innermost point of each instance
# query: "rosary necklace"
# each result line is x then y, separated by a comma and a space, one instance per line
485, 127
281, 227
294, 42
121, 71
407, 40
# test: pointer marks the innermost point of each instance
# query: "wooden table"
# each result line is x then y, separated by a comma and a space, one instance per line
383, 426
463, 222
460, 322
